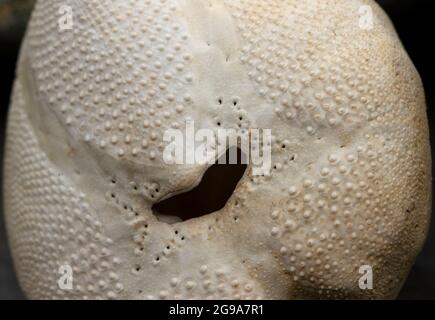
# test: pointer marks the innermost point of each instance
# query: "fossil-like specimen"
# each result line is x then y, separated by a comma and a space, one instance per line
350, 184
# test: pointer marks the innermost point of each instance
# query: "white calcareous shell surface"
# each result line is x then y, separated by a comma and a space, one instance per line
352, 170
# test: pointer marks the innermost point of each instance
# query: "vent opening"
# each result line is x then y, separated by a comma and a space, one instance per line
212, 193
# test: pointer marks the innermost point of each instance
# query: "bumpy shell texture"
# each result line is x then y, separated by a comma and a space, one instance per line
350, 184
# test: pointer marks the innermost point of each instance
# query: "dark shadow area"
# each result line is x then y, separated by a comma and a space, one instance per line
12, 23
212, 193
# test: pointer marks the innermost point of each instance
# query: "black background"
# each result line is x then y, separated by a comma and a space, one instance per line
414, 22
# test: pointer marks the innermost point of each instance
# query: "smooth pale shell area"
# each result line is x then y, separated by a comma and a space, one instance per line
351, 178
